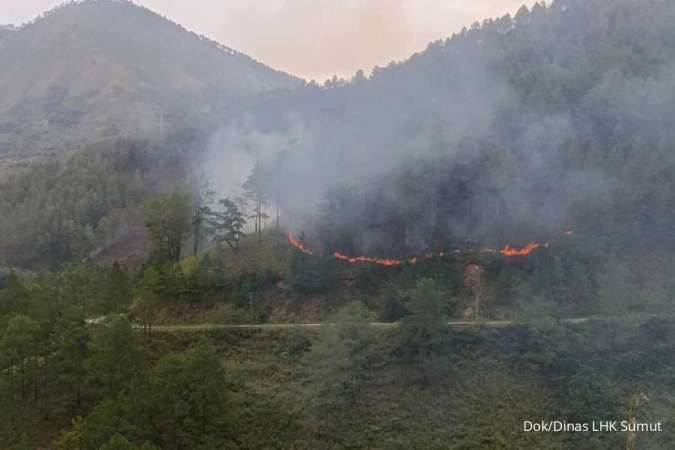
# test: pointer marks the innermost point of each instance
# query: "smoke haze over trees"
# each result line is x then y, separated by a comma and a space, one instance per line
297, 265
516, 127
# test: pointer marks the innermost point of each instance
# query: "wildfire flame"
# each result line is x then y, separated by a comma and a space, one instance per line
298, 244
507, 251
367, 260
523, 251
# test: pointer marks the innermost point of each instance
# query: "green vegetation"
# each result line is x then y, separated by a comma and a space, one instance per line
347, 387
347, 384
547, 126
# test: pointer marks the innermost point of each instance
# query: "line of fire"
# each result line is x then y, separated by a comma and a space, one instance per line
508, 251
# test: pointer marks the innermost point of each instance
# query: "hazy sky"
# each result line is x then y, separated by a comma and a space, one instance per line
312, 38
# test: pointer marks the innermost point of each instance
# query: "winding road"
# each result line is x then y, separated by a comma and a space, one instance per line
280, 326
637, 319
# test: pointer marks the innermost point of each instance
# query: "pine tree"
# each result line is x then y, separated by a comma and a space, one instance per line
115, 357
424, 329
227, 224
256, 189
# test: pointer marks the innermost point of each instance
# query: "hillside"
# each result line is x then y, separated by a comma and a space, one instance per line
98, 69
428, 257
511, 130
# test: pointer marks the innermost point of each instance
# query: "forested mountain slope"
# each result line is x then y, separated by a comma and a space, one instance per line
98, 69
516, 128
551, 128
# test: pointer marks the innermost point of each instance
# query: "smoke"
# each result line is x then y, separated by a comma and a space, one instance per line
448, 146
439, 109
234, 150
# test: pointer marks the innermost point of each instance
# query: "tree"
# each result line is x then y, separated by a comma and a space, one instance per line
313, 274
19, 351
339, 362
72, 350
424, 329
118, 442
115, 358
358, 78
74, 438
169, 221
256, 192
116, 290
186, 400
200, 217
227, 224
114, 415
14, 297
80, 286
147, 298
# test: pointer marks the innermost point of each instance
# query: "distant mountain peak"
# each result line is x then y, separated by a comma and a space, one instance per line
100, 5
95, 69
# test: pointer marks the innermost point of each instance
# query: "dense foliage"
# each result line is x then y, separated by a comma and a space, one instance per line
59, 211
550, 126
103, 385
513, 130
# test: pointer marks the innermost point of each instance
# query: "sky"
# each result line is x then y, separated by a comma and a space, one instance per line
313, 39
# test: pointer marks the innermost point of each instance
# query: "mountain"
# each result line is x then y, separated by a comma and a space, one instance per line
518, 128
90, 70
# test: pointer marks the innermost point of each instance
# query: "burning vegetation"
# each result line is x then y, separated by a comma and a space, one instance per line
367, 260
507, 251
523, 251
298, 244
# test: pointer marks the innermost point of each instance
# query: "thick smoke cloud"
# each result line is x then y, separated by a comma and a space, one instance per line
450, 140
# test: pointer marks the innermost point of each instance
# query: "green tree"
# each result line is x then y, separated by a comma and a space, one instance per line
169, 220
73, 438
114, 415
424, 330
256, 191
116, 290
187, 402
71, 352
339, 362
118, 442
147, 299
311, 274
15, 296
227, 225
200, 216
115, 357
19, 357
80, 285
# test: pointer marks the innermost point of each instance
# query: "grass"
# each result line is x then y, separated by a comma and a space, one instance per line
481, 389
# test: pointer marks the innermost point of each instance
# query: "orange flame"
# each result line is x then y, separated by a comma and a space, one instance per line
367, 259
298, 244
524, 251
389, 262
